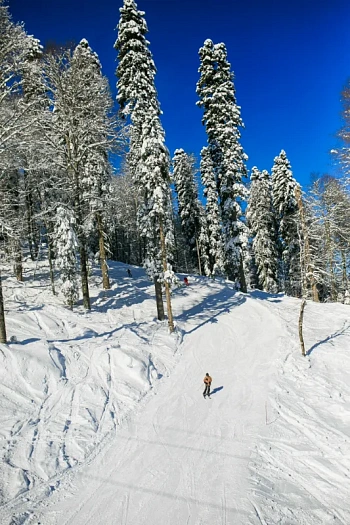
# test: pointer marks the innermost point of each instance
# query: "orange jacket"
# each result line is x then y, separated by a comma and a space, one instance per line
207, 380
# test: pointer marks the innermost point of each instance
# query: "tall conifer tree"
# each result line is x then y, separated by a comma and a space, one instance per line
222, 120
189, 206
213, 215
262, 226
148, 157
66, 244
286, 210
82, 132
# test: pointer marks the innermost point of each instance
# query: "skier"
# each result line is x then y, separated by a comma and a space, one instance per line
129, 273
207, 381
186, 281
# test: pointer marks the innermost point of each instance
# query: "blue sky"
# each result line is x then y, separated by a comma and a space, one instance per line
290, 60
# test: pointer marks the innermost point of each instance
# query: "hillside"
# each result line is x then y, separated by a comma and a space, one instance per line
103, 419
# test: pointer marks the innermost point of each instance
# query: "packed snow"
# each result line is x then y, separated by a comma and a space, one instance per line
103, 419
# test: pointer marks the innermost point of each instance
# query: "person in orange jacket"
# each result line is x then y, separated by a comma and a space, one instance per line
207, 381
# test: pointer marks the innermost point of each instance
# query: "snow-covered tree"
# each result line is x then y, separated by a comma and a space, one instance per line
11, 214
262, 226
16, 120
286, 210
34, 96
328, 219
66, 245
213, 215
3, 335
148, 157
81, 132
189, 206
222, 120
13, 52
342, 152
126, 244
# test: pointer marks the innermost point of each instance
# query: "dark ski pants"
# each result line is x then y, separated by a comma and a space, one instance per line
206, 390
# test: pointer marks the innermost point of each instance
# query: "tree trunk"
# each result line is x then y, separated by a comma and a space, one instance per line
103, 258
186, 266
199, 257
345, 277
242, 280
265, 287
17, 264
330, 258
301, 318
167, 286
159, 299
32, 240
51, 263
139, 240
84, 275
3, 337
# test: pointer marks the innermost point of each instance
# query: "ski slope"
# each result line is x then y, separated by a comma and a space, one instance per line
103, 419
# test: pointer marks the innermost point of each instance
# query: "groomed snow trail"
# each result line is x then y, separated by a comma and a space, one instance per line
183, 460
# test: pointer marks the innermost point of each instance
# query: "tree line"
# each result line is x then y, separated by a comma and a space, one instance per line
60, 133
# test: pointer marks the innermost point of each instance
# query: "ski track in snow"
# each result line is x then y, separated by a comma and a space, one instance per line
103, 419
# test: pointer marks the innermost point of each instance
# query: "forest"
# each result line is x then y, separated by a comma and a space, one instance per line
85, 179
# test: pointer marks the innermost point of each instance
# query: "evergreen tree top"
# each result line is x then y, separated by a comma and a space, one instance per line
255, 174
34, 48
84, 52
179, 152
282, 167
136, 69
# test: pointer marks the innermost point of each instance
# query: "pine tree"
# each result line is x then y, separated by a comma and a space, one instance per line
189, 207
213, 215
262, 226
148, 158
286, 210
66, 244
83, 132
96, 168
222, 120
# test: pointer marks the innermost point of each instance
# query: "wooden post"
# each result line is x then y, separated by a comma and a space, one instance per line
3, 336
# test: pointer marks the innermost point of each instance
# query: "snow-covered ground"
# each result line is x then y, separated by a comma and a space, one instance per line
102, 418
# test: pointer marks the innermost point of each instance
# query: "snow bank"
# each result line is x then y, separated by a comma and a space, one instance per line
301, 470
